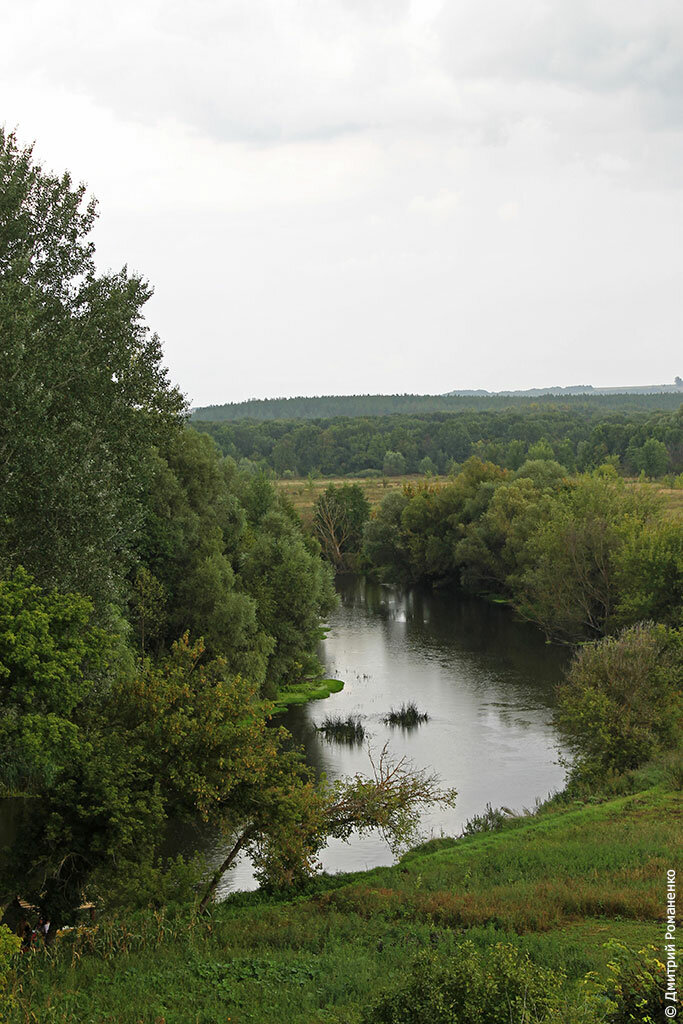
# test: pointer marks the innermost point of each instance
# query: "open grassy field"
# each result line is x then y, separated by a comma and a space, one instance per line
303, 493
558, 885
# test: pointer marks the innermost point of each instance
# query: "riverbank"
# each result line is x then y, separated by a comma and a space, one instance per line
558, 886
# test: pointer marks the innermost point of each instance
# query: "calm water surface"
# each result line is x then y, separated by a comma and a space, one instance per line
485, 679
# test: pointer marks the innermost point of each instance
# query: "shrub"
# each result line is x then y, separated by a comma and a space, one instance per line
636, 985
490, 821
473, 987
9, 947
621, 704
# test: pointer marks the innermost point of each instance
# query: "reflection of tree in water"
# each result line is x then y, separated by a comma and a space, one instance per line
304, 734
486, 637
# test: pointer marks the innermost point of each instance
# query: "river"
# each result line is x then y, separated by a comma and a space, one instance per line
485, 679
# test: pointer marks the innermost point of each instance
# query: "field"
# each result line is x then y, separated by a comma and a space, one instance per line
558, 885
303, 493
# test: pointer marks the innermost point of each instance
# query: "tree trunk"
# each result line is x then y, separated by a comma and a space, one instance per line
220, 871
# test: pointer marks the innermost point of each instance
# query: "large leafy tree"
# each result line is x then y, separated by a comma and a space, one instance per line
84, 391
571, 587
108, 751
339, 516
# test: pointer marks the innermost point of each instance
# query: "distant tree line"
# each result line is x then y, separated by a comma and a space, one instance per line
332, 406
580, 439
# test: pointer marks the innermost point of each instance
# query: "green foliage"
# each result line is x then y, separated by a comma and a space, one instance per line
621, 703
108, 754
574, 433
232, 565
636, 984
569, 586
553, 886
472, 987
339, 517
9, 948
394, 464
578, 556
50, 656
490, 820
648, 570
276, 410
84, 393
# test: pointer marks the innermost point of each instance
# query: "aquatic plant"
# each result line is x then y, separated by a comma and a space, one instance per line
343, 730
407, 716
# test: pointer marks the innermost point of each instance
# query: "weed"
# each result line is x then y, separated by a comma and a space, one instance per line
344, 730
407, 716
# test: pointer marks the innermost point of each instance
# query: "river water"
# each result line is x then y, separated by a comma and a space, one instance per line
485, 679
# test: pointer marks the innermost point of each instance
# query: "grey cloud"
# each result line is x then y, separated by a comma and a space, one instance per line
604, 46
262, 72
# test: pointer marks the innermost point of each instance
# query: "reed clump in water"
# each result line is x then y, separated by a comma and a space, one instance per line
344, 730
406, 716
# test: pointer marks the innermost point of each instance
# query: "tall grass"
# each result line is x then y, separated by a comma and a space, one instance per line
406, 716
344, 730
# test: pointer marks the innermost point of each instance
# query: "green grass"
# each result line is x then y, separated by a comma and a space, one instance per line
559, 885
314, 689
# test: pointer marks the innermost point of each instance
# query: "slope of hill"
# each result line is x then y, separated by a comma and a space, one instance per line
557, 887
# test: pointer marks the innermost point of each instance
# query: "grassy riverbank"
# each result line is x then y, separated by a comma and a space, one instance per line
558, 885
312, 689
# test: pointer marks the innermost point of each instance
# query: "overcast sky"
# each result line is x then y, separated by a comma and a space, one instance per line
344, 196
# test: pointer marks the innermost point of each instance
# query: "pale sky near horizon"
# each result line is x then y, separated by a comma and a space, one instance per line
345, 196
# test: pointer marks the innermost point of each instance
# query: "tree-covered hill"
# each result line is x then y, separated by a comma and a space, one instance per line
328, 406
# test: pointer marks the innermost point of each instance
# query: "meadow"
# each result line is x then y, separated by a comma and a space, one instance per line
304, 492
562, 885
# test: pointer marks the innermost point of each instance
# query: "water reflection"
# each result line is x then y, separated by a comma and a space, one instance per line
485, 679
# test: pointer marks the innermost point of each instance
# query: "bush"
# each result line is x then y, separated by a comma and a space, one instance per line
491, 820
621, 704
474, 987
9, 947
635, 988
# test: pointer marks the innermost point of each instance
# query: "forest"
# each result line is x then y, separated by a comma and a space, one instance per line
580, 438
352, 406
159, 599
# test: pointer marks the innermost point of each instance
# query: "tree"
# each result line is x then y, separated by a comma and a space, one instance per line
649, 573
654, 457
569, 587
92, 798
339, 517
286, 828
84, 393
394, 464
